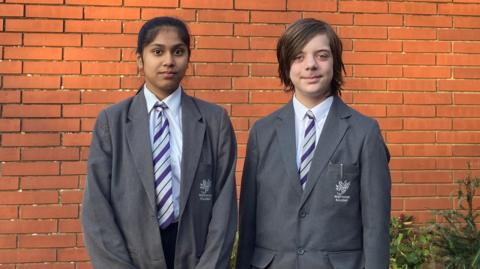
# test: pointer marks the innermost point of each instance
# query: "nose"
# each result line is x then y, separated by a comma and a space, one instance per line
169, 60
310, 62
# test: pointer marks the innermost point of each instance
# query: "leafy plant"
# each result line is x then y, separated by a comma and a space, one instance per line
457, 241
409, 247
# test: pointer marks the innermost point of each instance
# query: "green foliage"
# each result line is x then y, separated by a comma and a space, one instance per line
233, 256
409, 247
456, 242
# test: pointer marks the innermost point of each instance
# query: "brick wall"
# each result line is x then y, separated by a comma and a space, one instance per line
413, 65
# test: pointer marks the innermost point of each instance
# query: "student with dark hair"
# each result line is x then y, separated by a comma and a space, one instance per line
160, 189
316, 184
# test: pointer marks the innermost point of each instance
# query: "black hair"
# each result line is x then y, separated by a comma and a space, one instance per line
150, 29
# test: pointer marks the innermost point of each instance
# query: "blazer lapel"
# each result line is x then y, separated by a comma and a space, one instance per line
332, 133
137, 133
285, 130
193, 134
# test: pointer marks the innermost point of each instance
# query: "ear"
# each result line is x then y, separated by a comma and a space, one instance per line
139, 61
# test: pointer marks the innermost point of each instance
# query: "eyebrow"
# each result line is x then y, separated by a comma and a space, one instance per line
162, 45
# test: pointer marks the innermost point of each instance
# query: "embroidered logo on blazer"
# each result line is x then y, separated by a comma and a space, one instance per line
205, 193
342, 187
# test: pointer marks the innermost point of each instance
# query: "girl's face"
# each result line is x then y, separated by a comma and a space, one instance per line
164, 62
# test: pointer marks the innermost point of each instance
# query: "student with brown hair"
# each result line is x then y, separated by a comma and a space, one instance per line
316, 183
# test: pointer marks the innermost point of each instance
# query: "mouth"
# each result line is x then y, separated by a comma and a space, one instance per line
168, 74
312, 79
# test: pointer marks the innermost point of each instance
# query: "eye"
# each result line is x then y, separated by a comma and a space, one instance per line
179, 52
157, 52
323, 56
298, 58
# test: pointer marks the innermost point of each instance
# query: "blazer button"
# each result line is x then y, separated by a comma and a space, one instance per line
300, 251
303, 214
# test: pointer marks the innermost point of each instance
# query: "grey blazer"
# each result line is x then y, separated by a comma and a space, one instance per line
340, 220
119, 212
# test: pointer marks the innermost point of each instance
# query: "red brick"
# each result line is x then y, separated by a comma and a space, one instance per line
312, 5
72, 254
105, 97
258, 30
364, 58
55, 40
426, 46
41, 11
458, 9
447, 190
427, 176
233, 70
151, 3
426, 72
410, 137
9, 154
47, 241
29, 168
264, 70
10, 39
111, 13
411, 59
256, 83
31, 82
412, 8
458, 137
223, 16
211, 28
71, 196
379, 19
33, 53
110, 40
377, 98
427, 203
9, 183
94, 54
458, 34
377, 72
260, 5
457, 59
83, 82
364, 84
390, 124
254, 56
467, 98
10, 67
31, 111
84, 110
223, 96
50, 97
222, 42
468, 72
48, 212
33, 25
411, 85
412, 33
240, 124
207, 4
466, 22
270, 97
428, 124
331, 18
50, 154
9, 96
207, 83
9, 125
8, 241
413, 190
7, 10
74, 168
132, 83
93, 26
211, 55
458, 111
183, 14
457, 85
69, 226
427, 98
30, 139
8, 212
253, 110
371, 110
428, 21
466, 124
95, 3
99, 68
49, 182
363, 7
44, 67
275, 17
76, 139
263, 43
27, 255
427, 150
366, 32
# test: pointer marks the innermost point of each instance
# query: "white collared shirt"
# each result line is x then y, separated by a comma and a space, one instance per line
320, 111
174, 116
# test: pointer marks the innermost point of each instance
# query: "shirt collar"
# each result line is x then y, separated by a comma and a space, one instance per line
172, 101
320, 111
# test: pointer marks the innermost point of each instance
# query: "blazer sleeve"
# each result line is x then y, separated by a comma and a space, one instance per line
248, 197
103, 239
375, 200
223, 223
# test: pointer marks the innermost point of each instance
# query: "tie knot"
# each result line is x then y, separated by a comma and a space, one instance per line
310, 115
160, 106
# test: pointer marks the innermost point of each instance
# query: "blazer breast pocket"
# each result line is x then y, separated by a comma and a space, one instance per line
343, 182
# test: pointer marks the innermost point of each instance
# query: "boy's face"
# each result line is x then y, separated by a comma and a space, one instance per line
311, 71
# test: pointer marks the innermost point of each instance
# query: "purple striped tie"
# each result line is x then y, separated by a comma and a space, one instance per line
162, 167
308, 148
